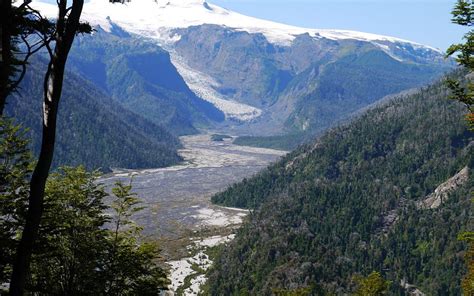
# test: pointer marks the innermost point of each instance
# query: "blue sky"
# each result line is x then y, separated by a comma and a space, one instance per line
423, 21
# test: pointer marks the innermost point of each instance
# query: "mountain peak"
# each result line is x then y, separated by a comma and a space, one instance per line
185, 3
152, 18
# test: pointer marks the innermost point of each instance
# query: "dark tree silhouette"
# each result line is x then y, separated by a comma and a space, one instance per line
19, 25
463, 14
67, 26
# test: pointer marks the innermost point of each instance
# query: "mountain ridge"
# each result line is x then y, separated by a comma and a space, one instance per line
93, 129
348, 204
158, 14
265, 78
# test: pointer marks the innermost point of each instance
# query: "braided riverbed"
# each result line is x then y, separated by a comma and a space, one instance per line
179, 214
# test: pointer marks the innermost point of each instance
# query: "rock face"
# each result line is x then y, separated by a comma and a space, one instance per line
441, 194
93, 129
411, 289
141, 76
308, 84
188, 64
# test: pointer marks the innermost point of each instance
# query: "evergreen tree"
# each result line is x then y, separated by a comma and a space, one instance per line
88, 248
67, 26
71, 246
130, 268
349, 204
468, 281
463, 14
15, 168
85, 247
17, 24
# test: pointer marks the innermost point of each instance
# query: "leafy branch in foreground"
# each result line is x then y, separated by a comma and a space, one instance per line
84, 251
131, 267
15, 169
463, 13
62, 34
85, 246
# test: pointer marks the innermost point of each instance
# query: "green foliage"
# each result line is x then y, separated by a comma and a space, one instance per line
72, 241
93, 130
125, 206
140, 75
463, 13
347, 204
468, 280
219, 138
372, 285
23, 22
296, 292
130, 267
464, 95
76, 253
283, 142
15, 169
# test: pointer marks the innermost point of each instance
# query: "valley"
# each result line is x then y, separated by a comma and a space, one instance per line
192, 65
168, 171
179, 214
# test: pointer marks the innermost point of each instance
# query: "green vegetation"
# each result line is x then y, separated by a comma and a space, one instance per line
93, 130
372, 285
347, 205
187, 280
352, 82
15, 169
213, 252
219, 138
463, 15
310, 85
468, 280
297, 292
284, 142
140, 76
186, 284
76, 253
464, 92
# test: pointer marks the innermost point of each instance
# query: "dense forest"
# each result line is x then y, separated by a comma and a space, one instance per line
88, 243
284, 142
94, 130
352, 203
140, 75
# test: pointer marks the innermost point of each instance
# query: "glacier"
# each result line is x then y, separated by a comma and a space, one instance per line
157, 20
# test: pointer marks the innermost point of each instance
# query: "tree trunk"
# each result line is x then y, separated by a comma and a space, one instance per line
5, 63
66, 31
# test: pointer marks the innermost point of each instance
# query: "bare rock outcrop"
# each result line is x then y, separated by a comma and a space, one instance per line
441, 194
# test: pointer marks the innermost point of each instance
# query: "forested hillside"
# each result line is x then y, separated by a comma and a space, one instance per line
139, 74
93, 129
352, 203
307, 86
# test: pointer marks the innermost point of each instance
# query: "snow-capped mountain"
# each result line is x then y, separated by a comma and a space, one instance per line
271, 75
149, 18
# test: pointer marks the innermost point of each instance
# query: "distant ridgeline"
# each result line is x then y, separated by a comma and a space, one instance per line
191, 66
93, 129
368, 196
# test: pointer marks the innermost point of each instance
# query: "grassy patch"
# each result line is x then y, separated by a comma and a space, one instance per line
220, 138
285, 142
